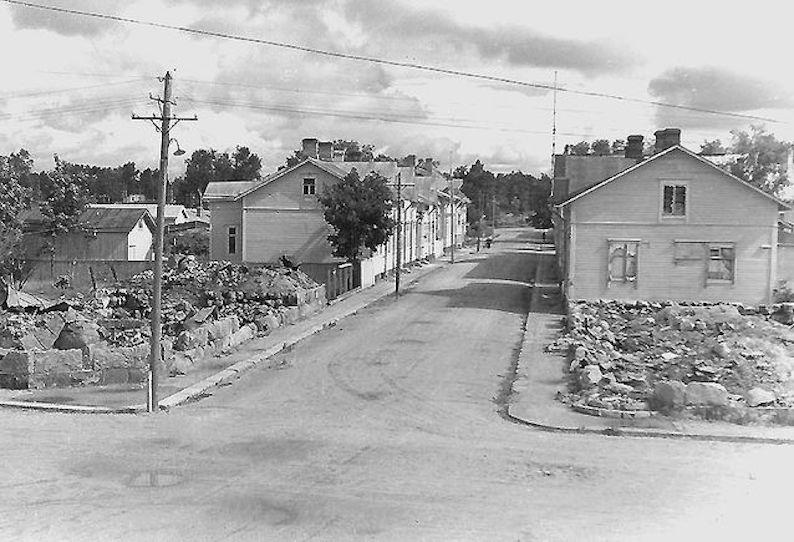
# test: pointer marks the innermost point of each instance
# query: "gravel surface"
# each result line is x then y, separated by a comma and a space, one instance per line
384, 427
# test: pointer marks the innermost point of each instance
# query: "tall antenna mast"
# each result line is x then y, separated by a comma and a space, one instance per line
554, 122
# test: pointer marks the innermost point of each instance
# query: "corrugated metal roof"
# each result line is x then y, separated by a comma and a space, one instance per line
227, 189
114, 219
175, 212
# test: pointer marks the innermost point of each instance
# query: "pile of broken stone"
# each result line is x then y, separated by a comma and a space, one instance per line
667, 356
102, 337
254, 295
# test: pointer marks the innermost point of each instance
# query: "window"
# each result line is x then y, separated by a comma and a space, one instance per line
674, 200
721, 263
623, 260
232, 240
308, 187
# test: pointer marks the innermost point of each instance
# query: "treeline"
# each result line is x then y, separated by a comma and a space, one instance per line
520, 194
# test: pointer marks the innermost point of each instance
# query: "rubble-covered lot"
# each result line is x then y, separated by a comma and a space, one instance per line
103, 337
720, 360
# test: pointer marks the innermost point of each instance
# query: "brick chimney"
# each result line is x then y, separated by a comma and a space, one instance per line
634, 147
669, 137
325, 151
310, 145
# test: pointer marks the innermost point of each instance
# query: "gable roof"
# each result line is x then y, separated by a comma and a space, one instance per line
101, 219
173, 212
217, 189
115, 220
781, 204
226, 189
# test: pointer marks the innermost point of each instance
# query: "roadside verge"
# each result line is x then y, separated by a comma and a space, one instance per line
539, 376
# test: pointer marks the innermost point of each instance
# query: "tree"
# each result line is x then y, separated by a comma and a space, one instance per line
66, 197
601, 147
579, 149
763, 163
15, 170
712, 147
146, 183
359, 213
245, 164
206, 165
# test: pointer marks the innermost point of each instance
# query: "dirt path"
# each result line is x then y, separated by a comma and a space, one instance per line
384, 427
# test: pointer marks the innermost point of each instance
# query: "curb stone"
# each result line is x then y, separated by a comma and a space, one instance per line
612, 412
517, 387
73, 409
226, 376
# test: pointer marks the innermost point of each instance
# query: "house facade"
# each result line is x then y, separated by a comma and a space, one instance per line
280, 215
673, 226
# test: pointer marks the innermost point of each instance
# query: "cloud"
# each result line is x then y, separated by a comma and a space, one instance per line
717, 89
68, 24
403, 29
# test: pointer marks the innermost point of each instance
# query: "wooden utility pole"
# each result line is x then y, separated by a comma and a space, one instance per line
399, 235
164, 128
451, 220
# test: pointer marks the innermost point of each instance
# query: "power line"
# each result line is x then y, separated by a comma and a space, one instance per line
385, 62
92, 107
400, 119
34, 93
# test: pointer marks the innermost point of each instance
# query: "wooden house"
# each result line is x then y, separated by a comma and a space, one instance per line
673, 226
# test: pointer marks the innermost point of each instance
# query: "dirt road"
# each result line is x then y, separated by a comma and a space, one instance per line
385, 427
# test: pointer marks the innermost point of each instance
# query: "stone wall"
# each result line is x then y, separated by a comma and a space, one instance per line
63, 351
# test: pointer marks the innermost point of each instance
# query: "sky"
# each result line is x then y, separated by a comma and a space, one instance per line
72, 82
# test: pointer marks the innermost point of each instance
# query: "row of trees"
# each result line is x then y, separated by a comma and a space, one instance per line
517, 193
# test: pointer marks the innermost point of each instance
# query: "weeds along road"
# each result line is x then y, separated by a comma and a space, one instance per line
385, 427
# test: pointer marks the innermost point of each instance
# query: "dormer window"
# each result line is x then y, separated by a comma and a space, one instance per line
674, 200
309, 188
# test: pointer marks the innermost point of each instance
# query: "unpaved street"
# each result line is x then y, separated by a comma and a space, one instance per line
385, 427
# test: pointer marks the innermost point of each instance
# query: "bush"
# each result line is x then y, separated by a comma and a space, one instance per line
190, 242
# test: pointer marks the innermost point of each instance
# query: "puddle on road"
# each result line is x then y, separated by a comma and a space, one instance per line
155, 478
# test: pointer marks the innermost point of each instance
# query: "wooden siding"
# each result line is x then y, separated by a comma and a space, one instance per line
712, 198
139, 243
659, 277
287, 192
225, 214
272, 233
718, 209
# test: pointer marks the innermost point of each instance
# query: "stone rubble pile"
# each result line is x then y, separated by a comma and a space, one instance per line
644, 355
207, 308
254, 295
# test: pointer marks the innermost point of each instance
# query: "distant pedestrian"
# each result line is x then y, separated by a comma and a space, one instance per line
488, 242
544, 236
